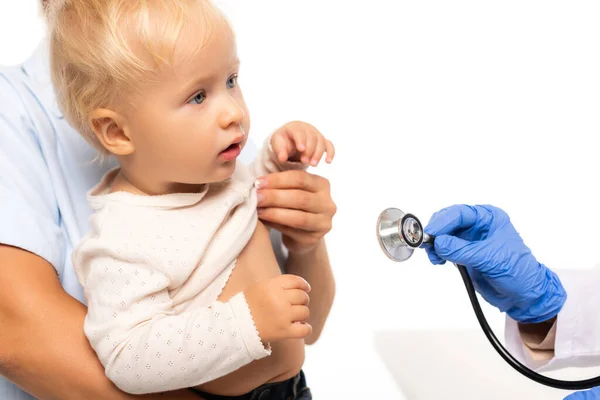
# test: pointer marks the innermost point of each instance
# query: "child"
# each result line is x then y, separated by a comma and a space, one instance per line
180, 279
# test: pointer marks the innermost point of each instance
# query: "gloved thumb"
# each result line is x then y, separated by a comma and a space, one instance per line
587, 395
458, 251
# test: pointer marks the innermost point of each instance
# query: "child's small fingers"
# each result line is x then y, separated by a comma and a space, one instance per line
330, 151
318, 154
298, 297
300, 313
311, 144
280, 147
299, 138
300, 330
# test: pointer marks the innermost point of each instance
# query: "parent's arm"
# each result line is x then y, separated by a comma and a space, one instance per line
43, 348
299, 205
315, 268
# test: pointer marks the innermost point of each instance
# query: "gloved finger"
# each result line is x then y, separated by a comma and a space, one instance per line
591, 394
489, 293
451, 219
460, 251
433, 257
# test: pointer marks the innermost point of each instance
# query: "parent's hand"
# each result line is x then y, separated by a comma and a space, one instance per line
299, 205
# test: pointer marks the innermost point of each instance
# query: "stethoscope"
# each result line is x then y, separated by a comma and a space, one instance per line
399, 234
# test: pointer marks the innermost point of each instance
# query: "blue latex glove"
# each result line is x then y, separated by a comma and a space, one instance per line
502, 268
592, 394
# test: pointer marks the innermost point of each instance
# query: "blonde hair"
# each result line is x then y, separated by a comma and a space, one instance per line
92, 59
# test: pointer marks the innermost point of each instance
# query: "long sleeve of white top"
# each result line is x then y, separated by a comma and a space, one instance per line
145, 346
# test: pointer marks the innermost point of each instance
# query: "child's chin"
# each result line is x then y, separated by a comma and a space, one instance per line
224, 173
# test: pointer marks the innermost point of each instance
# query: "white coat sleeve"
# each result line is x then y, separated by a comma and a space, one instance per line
577, 340
143, 344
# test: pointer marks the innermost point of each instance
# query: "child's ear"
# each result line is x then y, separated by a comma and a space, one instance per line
111, 130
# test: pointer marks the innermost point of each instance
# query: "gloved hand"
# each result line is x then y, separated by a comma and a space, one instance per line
592, 394
502, 268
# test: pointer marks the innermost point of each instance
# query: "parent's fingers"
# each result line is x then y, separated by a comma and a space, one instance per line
291, 198
295, 219
294, 179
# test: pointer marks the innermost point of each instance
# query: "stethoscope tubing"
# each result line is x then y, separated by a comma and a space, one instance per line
512, 361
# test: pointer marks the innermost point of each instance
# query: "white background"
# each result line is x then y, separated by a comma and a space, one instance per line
429, 103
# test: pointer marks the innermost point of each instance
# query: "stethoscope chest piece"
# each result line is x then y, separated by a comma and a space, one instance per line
399, 234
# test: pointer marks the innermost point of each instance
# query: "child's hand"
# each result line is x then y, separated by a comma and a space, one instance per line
299, 141
279, 307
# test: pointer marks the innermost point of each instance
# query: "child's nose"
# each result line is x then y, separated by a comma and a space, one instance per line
232, 112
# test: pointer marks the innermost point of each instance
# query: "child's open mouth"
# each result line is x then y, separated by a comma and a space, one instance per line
231, 152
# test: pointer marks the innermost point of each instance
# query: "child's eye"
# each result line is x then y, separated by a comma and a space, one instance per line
198, 98
232, 81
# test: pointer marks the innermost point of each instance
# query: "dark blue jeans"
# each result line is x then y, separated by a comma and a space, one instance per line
293, 389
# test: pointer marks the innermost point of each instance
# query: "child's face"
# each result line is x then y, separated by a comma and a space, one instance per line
190, 124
